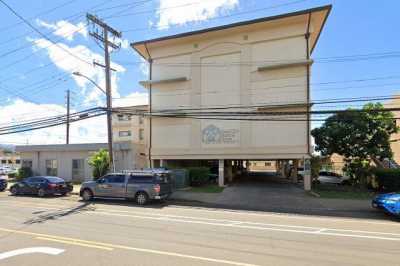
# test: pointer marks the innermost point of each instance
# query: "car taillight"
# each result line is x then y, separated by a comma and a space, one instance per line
52, 185
157, 188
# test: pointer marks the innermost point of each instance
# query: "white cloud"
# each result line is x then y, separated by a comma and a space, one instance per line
68, 63
17, 111
183, 11
124, 43
144, 67
64, 28
136, 98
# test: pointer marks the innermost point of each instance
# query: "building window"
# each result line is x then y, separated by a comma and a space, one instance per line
126, 133
17, 161
141, 119
124, 117
27, 163
51, 167
3, 161
141, 134
78, 170
267, 164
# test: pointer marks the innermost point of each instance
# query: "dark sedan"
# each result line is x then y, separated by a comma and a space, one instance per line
41, 186
3, 183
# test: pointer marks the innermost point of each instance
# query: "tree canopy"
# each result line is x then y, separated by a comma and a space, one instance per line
360, 135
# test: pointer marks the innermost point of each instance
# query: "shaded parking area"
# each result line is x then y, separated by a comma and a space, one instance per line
265, 191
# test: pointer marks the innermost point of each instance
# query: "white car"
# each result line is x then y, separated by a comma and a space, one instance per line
326, 177
5, 170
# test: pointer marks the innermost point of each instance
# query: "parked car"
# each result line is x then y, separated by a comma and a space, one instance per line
41, 186
326, 177
141, 186
389, 202
3, 183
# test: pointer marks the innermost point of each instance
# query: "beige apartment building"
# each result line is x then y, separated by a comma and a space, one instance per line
256, 66
130, 129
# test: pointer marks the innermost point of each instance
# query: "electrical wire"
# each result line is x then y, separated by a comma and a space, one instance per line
42, 34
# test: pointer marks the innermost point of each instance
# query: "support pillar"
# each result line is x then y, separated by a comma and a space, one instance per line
221, 173
162, 163
229, 171
294, 171
307, 175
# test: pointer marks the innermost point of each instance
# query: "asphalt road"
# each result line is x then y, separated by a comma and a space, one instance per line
120, 233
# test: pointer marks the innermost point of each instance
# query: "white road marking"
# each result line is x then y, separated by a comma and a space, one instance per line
269, 227
247, 225
259, 214
42, 250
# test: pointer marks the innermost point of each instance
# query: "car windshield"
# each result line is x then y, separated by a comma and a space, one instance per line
53, 179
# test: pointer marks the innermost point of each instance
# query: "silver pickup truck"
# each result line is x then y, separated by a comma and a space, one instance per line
141, 186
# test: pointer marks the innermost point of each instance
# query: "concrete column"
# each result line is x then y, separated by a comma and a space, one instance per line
307, 175
294, 172
162, 163
221, 174
229, 171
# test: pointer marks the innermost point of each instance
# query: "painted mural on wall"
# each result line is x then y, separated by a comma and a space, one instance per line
215, 135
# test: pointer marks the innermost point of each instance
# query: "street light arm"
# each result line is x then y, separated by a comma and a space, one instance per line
92, 81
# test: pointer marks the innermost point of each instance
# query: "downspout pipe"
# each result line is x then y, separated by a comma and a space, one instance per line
150, 60
307, 37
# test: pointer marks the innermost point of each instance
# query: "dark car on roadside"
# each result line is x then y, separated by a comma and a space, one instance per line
389, 202
41, 186
141, 186
3, 183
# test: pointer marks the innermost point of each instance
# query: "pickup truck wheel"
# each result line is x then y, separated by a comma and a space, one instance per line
141, 198
87, 195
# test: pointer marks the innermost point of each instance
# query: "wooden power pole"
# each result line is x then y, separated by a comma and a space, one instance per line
103, 37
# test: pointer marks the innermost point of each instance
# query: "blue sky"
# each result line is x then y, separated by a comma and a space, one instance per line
35, 74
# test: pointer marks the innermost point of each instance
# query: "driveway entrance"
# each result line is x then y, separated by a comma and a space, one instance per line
266, 191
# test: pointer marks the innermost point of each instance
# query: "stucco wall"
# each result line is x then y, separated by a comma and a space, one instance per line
222, 70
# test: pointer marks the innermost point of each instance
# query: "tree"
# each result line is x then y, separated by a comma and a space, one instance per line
359, 136
100, 163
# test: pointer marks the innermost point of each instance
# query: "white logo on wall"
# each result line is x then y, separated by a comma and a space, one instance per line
214, 135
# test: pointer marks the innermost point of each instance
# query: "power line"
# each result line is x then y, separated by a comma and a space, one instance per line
214, 18
39, 14
42, 34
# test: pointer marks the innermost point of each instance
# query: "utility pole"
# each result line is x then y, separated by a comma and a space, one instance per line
104, 39
68, 111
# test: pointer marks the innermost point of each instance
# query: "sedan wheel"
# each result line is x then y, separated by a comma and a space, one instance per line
14, 191
141, 198
41, 193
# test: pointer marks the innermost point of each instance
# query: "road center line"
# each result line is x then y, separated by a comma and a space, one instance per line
76, 243
116, 246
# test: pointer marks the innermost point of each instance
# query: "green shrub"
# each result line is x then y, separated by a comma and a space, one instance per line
387, 179
100, 163
12, 175
198, 175
24, 172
